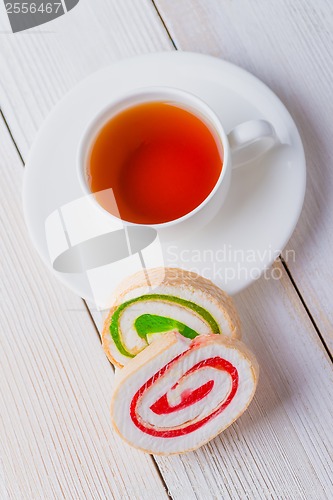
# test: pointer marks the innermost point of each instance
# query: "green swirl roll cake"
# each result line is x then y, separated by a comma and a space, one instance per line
153, 302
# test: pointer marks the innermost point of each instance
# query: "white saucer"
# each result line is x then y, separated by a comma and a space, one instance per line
265, 198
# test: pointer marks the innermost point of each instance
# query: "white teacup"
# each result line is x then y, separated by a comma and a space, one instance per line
243, 144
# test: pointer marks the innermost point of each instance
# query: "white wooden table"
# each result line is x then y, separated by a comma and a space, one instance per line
56, 438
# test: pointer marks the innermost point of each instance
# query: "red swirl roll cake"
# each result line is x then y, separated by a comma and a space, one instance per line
179, 393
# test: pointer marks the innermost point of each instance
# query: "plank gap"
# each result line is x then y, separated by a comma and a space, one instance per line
11, 136
94, 323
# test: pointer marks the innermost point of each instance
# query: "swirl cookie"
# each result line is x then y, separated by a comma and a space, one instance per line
160, 300
179, 393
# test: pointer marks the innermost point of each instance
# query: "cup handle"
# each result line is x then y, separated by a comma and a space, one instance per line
250, 140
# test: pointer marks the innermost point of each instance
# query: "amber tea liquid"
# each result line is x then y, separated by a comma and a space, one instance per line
160, 160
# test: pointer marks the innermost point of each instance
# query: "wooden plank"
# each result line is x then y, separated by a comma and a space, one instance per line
289, 46
56, 436
247, 448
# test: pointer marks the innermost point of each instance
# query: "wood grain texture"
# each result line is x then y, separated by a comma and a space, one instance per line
56, 439
280, 447
289, 45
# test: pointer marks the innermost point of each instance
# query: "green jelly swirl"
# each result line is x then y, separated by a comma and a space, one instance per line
150, 323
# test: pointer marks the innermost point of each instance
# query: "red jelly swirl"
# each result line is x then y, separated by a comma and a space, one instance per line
189, 397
